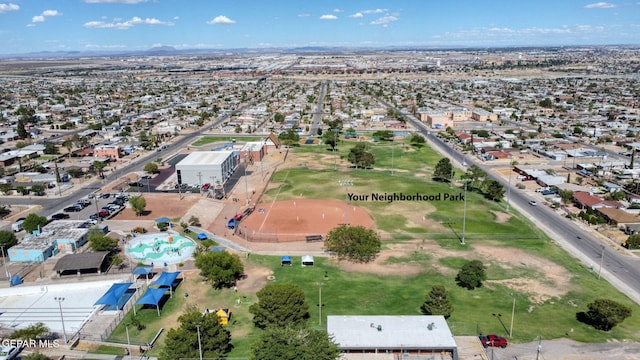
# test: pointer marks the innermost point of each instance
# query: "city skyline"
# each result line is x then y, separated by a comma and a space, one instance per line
137, 25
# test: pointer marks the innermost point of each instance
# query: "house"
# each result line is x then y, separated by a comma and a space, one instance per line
584, 200
618, 217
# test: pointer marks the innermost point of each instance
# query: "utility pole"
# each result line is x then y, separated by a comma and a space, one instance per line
346, 184
601, 262
539, 347
392, 154
199, 342
513, 311
464, 211
4, 260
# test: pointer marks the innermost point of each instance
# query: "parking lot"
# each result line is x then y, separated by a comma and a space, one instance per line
94, 208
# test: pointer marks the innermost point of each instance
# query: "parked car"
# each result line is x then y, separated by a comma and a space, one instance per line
17, 226
493, 340
533, 203
73, 208
9, 352
206, 186
104, 213
60, 216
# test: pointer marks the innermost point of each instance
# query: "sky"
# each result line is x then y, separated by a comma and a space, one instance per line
133, 25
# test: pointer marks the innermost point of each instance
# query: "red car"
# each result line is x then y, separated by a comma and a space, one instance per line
206, 186
493, 340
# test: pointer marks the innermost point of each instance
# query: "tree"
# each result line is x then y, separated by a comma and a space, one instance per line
493, 190
182, 342
138, 204
99, 166
35, 356
34, 222
287, 343
443, 170
51, 149
360, 156
98, 241
471, 275
280, 305
632, 242
37, 189
151, 167
437, 302
566, 195
384, 135
7, 240
221, 269
289, 137
355, 243
35, 331
194, 220
604, 314
330, 138
417, 140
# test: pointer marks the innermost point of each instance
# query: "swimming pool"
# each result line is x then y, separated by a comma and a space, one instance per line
160, 248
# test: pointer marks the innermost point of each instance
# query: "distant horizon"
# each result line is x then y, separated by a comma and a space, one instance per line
125, 26
168, 50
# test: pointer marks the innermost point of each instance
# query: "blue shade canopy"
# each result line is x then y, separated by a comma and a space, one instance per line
166, 279
113, 295
202, 236
152, 296
142, 270
163, 220
286, 259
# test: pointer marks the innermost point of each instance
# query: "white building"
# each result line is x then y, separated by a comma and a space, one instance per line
399, 334
201, 167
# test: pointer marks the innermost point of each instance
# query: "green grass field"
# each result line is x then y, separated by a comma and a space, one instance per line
438, 223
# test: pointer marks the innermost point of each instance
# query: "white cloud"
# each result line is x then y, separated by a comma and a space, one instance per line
123, 25
337, 10
51, 13
303, 15
374, 11
328, 17
8, 7
600, 5
115, 1
357, 15
45, 14
385, 20
221, 20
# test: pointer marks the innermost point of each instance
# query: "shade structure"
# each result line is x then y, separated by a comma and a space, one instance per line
113, 295
142, 270
202, 236
163, 220
152, 297
166, 279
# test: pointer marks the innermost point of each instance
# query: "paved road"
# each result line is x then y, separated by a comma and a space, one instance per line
317, 113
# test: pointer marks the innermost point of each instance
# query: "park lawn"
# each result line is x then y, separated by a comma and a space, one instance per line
214, 139
352, 293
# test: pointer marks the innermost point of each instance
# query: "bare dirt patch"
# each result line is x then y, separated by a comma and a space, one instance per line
162, 205
501, 217
292, 220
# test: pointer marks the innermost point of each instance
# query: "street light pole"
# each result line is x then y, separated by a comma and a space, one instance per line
199, 342
513, 311
346, 184
464, 211
64, 332
392, 154
4, 260
601, 262
126, 327
509, 188
246, 187
335, 144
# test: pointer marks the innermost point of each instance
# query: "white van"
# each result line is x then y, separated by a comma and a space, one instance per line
17, 226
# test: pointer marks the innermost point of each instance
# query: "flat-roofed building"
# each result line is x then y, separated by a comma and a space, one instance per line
201, 167
399, 334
